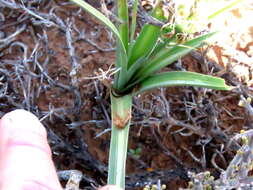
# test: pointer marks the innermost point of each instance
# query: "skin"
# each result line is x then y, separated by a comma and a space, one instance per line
25, 156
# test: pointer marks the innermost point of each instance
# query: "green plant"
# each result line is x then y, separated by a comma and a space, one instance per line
138, 61
135, 152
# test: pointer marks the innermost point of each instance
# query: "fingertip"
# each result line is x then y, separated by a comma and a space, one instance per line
110, 187
22, 128
24, 152
19, 113
22, 119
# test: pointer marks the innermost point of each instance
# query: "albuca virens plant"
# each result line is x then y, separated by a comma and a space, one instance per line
138, 61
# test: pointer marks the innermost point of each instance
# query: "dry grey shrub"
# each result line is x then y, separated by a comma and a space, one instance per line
236, 176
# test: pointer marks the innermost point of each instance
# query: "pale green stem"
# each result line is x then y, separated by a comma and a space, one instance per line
121, 117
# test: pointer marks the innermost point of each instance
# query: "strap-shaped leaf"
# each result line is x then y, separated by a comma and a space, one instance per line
122, 82
168, 56
181, 78
223, 9
121, 77
122, 8
101, 18
147, 38
133, 23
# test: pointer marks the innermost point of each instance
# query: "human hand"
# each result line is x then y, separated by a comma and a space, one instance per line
25, 156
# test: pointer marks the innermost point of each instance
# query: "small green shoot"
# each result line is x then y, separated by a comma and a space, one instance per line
135, 152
